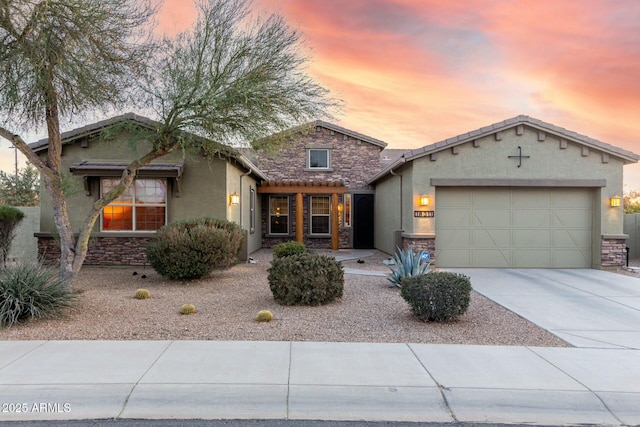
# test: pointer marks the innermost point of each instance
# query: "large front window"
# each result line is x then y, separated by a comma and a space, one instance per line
142, 206
279, 215
320, 214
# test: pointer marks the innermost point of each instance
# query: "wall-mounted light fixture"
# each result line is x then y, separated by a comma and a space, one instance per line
340, 207
424, 200
615, 201
234, 199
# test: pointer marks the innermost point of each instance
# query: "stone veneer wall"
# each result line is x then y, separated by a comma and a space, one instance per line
421, 244
102, 250
613, 252
353, 162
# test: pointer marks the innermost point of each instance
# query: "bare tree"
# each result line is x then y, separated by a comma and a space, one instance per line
234, 76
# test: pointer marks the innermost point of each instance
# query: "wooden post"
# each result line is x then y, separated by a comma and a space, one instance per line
335, 223
299, 218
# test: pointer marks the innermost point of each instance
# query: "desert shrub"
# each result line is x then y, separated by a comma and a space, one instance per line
188, 309
306, 279
142, 294
191, 249
438, 296
10, 217
288, 248
31, 290
264, 316
407, 264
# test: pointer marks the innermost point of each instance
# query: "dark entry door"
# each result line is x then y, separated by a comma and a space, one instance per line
363, 221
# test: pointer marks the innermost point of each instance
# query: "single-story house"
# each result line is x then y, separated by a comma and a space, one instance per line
519, 193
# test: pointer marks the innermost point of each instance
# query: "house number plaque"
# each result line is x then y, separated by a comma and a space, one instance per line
424, 214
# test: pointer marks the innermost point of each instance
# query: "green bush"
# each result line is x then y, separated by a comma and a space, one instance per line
191, 249
306, 279
407, 264
288, 248
438, 296
31, 290
10, 217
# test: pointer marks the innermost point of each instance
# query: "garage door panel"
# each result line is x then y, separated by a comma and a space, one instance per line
490, 217
489, 198
490, 238
455, 238
572, 218
514, 227
580, 239
455, 217
532, 258
568, 198
531, 198
525, 218
532, 238
457, 257
492, 257
570, 258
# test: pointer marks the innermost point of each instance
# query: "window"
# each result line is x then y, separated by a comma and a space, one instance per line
142, 207
320, 214
279, 215
347, 210
319, 159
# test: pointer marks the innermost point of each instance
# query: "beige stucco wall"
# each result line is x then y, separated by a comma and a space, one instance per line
241, 182
489, 160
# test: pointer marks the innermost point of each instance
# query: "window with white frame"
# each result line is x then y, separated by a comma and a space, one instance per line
320, 214
319, 158
279, 215
142, 206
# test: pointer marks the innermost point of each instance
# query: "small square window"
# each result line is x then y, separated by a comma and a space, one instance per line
319, 159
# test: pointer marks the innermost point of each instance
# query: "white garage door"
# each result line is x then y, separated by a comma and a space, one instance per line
513, 227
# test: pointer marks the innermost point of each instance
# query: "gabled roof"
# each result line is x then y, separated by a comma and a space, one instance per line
350, 133
410, 155
94, 128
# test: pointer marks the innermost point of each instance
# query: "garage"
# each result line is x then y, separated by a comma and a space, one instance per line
514, 227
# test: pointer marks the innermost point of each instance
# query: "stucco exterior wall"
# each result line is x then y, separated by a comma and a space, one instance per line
203, 190
547, 160
388, 211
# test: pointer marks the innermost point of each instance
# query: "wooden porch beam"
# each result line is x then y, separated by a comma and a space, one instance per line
335, 223
299, 218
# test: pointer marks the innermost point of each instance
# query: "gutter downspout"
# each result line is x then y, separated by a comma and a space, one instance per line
249, 172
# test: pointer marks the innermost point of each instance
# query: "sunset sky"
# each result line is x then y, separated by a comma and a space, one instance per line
413, 72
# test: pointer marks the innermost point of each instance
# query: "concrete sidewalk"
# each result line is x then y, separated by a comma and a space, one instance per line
310, 380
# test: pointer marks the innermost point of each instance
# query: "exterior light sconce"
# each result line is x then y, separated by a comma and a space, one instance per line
615, 201
234, 199
340, 207
424, 200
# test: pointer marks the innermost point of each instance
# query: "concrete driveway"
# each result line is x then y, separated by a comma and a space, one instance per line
586, 308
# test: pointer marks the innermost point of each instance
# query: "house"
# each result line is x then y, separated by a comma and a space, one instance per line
519, 193
175, 187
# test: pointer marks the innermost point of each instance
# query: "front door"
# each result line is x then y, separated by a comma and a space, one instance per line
363, 221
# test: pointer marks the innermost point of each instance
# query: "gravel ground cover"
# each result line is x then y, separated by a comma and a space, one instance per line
227, 303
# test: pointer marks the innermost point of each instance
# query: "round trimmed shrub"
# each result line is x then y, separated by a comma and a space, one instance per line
306, 279
188, 309
191, 249
288, 248
142, 294
439, 296
31, 290
264, 316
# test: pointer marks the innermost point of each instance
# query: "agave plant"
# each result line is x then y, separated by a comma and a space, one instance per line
407, 264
